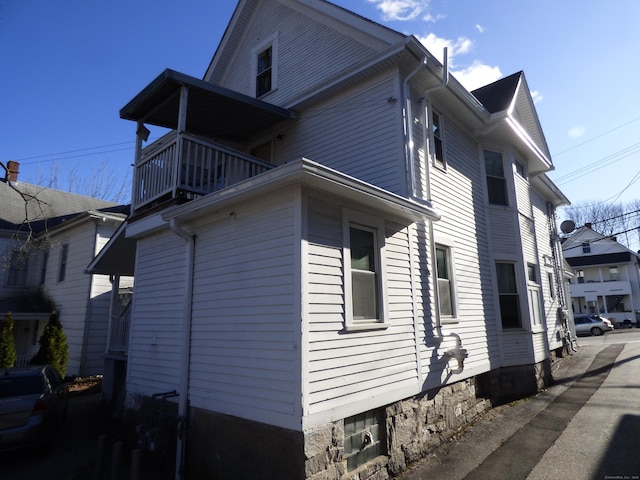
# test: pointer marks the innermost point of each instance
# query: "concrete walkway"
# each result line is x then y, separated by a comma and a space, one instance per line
570, 431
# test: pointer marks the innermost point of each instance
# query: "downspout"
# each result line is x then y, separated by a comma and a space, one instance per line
183, 401
408, 130
458, 352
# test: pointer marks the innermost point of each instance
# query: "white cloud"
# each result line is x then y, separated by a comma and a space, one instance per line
477, 75
402, 9
577, 131
436, 46
536, 96
480, 28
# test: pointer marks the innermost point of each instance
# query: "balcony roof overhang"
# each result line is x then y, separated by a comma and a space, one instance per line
212, 110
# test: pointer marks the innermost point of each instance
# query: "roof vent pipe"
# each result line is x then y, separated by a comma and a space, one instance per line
445, 73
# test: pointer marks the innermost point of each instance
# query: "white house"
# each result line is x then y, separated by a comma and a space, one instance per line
341, 255
606, 275
47, 238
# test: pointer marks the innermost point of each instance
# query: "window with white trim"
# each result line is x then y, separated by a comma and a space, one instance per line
496, 181
62, 269
17, 276
444, 271
364, 243
265, 66
509, 296
614, 274
437, 138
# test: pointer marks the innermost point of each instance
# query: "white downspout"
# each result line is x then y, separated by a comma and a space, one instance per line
408, 130
185, 359
458, 353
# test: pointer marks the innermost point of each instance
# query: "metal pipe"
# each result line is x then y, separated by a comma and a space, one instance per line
408, 133
185, 360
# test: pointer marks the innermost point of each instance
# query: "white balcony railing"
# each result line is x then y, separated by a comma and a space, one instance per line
119, 331
183, 164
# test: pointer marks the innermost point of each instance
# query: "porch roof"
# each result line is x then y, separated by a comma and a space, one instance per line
212, 110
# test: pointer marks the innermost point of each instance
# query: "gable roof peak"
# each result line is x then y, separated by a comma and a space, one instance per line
498, 96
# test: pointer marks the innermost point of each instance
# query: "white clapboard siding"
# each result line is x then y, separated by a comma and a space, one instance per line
549, 290
517, 348
356, 133
309, 52
458, 195
523, 194
98, 311
345, 368
75, 296
528, 238
245, 350
157, 315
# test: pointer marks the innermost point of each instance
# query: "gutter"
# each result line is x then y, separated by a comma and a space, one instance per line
185, 360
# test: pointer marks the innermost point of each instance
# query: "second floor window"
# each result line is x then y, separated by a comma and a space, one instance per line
614, 274
62, 270
438, 138
43, 270
580, 275
496, 181
17, 276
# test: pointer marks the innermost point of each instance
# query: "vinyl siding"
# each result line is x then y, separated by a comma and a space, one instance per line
349, 367
156, 329
245, 351
98, 311
551, 302
358, 133
72, 295
458, 195
310, 52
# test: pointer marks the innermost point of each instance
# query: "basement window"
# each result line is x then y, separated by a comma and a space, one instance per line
363, 438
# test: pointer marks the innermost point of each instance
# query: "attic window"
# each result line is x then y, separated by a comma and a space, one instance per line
263, 80
586, 247
264, 66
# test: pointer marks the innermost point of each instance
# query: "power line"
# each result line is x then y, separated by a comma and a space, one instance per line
597, 136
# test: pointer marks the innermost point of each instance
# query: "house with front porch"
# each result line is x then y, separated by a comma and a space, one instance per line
340, 254
606, 276
47, 238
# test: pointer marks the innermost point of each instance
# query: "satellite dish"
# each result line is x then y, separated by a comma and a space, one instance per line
567, 226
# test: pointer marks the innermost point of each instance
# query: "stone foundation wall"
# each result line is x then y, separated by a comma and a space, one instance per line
416, 426
221, 446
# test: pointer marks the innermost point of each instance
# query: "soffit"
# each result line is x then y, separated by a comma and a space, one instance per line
212, 111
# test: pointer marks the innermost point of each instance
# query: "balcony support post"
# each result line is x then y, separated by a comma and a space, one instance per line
180, 130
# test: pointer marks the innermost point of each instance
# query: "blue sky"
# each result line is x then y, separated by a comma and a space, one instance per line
68, 67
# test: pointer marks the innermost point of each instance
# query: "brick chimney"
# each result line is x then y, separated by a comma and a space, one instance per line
12, 172
588, 224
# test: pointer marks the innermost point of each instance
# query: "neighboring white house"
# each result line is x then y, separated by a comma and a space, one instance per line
49, 273
341, 255
606, 275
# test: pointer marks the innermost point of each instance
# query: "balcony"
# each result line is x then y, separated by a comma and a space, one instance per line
183, 166
592, 289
